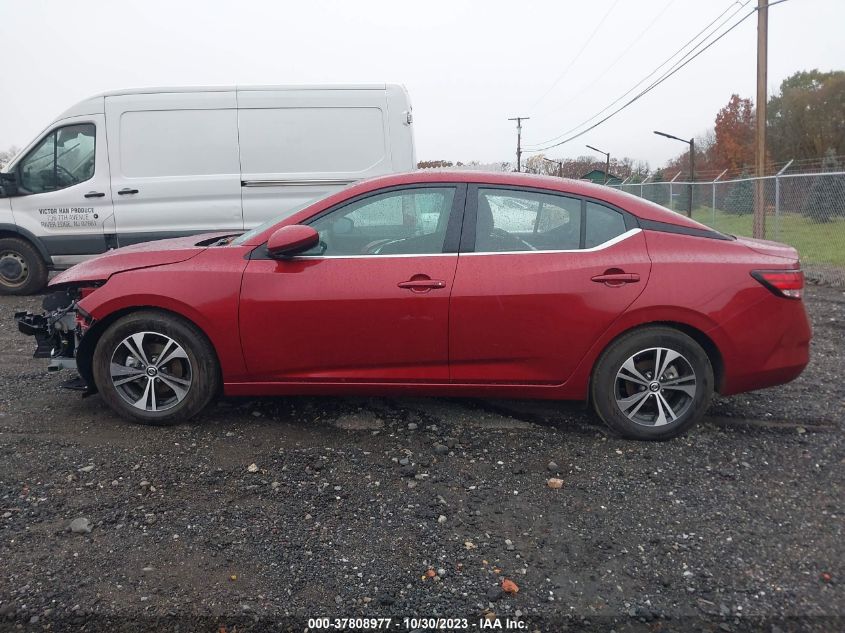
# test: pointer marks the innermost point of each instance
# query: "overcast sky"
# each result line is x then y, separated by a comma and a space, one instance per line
467, 65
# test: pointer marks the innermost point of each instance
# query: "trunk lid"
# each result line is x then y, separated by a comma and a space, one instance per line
772, 249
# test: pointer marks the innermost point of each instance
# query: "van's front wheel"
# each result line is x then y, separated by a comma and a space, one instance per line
22, 271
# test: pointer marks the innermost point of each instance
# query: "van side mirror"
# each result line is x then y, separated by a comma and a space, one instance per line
8, 185
293, 239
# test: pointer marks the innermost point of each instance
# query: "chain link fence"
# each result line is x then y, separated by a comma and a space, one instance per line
806, 211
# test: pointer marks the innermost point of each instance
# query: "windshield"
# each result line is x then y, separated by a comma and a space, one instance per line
241, 239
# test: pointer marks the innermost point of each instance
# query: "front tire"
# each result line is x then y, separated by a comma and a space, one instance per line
22, 270
155, 368
652, 384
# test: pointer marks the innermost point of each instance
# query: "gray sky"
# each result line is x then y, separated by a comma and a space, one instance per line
467, 65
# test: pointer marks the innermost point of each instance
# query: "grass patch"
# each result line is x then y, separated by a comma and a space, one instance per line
817, 242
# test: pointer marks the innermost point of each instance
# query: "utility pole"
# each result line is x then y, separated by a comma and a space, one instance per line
607, 162
759, 230
519, 120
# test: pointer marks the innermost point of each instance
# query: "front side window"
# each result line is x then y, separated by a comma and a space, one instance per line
402, 222
512, 220
63, 158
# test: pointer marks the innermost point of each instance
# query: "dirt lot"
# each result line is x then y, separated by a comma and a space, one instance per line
264, 513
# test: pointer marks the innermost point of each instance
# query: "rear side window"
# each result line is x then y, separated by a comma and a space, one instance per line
179, 143
63, 158
513, 220
603, 224
311, 140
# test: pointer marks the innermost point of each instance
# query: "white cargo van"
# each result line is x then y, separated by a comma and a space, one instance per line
137, 165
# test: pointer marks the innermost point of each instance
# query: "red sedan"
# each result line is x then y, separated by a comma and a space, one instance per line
440, 284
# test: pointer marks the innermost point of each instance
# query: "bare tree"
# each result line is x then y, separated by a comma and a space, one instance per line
7, 155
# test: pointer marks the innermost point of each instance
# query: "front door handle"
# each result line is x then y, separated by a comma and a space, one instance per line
126, 192
95, 194
422, 285
616, 278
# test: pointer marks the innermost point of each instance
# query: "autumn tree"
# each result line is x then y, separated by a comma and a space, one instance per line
733, 147
807, 117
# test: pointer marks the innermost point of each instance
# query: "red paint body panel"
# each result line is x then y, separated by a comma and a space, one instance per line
502, 325
145, 255
204, 290
344, 319
530, 317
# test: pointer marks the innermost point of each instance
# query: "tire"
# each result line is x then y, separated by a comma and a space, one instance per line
22, 269
641, 405
138, 385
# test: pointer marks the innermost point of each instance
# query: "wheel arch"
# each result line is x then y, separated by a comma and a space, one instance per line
88, 343
709, 346
12, 230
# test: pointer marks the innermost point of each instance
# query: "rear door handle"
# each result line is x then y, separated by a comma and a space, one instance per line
422, 285
616, 279
95, 194
126, 192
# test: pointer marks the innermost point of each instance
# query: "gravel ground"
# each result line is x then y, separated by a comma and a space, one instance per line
263, 513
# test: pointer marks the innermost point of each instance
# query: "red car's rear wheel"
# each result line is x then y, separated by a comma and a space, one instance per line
652, 384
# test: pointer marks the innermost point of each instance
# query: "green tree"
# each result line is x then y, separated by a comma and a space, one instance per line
807, 117
827, 194
740, 197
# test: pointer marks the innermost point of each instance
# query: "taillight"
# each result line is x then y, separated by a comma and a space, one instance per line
783, 283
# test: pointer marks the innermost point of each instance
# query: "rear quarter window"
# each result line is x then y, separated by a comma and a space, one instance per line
602, 224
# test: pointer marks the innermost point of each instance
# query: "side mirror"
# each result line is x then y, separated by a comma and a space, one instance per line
293, 239
8, 185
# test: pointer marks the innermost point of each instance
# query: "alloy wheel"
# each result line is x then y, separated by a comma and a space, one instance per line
151, 371
655, 386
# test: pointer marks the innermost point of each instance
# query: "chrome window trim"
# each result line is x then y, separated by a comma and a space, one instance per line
616, 240
619, 238
392, 255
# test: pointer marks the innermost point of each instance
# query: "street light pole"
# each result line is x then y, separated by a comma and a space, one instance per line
607, 163
559, 164
691, 143
519, 120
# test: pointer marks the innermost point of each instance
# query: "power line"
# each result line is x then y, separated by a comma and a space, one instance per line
577, 55
601, 75
659, 67
653, 85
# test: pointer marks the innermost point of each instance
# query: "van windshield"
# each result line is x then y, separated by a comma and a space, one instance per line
241, 239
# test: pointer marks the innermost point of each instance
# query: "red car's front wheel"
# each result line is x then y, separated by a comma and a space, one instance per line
155, 368
652, 384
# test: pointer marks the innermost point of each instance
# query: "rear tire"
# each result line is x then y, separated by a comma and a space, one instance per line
22, 269
155, 368
652, 384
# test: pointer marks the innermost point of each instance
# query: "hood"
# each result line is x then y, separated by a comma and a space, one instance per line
773, 249
145, 255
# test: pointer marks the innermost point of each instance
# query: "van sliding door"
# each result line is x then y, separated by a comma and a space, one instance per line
174, 161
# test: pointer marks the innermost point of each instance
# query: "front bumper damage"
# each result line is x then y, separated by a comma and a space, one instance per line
58, 333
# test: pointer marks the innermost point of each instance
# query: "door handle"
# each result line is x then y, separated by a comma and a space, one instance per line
126, 192
616, 279
422, 285
95, 194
